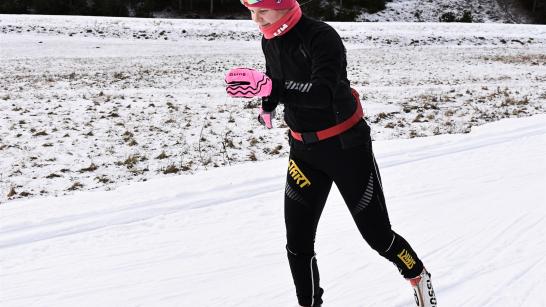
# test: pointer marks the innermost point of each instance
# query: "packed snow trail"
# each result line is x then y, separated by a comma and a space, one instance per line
473, 206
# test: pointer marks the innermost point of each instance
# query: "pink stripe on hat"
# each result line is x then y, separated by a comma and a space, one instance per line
270, 4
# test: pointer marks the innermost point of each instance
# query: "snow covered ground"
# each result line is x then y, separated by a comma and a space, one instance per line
94, 103
473, 206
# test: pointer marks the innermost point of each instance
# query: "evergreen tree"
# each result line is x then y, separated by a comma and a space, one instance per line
340, 10
110, 8
537, 9
51, 7
14, 6
60, 7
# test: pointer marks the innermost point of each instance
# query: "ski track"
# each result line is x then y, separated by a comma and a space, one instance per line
494, 250
516, 279
76, 224
430, 152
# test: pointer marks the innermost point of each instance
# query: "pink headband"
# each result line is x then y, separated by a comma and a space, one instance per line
270, 4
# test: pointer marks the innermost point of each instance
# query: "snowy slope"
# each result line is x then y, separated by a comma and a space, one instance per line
498, 11
473, 206
93, 103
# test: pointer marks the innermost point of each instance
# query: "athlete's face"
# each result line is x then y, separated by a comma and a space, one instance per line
264, 17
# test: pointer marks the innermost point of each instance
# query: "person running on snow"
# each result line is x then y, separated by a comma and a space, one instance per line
329, 142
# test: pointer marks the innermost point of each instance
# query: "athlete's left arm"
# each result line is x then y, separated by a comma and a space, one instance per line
327, 62
270, 103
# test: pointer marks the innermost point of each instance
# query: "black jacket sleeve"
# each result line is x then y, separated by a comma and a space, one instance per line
327, 57
270, 103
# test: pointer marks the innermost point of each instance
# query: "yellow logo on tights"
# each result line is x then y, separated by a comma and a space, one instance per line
298, 175
406, 258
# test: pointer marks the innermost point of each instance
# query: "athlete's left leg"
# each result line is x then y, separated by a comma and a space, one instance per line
360, 185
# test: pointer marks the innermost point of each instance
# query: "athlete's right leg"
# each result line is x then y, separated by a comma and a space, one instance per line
305, 195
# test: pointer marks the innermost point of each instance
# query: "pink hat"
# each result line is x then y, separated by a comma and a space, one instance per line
270, 4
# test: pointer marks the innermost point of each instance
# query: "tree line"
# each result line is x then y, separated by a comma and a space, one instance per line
328, 10
123, 8
334, 10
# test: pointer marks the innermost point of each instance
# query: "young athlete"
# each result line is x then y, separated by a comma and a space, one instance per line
329, 142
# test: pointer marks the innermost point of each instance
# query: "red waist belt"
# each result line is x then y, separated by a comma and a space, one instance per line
312, 137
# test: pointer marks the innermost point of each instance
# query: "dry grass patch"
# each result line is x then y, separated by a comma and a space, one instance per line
532, 59
171, 169
90, 168
75, 186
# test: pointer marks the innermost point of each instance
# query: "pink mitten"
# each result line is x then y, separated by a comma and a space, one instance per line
265, 118
247, 82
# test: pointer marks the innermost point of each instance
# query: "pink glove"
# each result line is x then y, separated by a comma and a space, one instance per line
247, 82
265, 118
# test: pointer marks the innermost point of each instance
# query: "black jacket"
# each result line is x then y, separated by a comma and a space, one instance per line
308, 66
